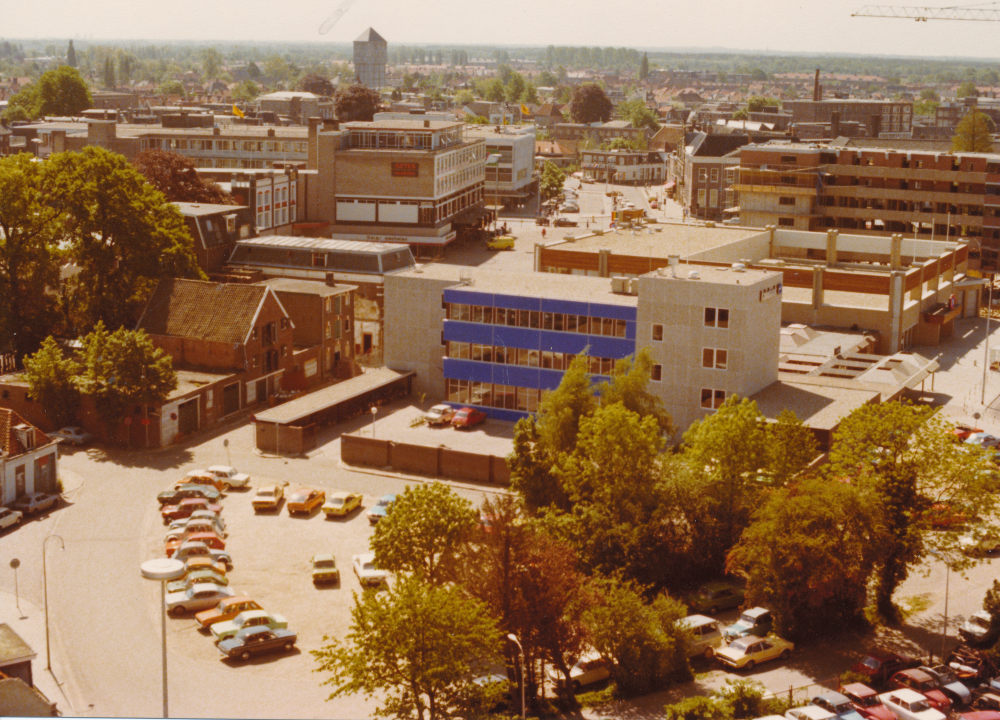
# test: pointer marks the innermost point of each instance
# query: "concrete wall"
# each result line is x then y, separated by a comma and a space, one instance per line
424, 460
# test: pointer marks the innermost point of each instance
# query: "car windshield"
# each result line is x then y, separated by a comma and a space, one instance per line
384, 502
337, 501
368, 566
980, 621
866, 700
919, 706
324, 564
747, 620
740, 646
266, 492
872, 663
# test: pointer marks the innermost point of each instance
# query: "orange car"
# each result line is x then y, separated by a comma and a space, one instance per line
209, 538
205, 563
226, 610
305, 500
201, 477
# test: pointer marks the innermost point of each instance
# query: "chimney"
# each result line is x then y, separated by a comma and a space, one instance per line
427, 123
216, 131
270, 132
330, 281
817, 93
835, 124
874, 126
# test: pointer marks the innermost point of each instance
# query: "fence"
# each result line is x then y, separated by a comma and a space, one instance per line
425, 460
796, 696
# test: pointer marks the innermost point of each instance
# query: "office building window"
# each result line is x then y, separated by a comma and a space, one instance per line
702, 174
786, 201
713, 358
712, 399
657, 333
715, 174
716, 317
786, 222
656, 373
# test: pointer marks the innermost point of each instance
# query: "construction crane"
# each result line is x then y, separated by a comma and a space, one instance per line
922, 14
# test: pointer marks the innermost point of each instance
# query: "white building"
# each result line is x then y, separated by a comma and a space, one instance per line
27, 458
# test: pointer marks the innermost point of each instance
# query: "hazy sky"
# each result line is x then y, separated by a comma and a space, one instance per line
775, 25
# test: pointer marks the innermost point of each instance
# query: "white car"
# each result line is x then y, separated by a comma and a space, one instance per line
9, 518
975, 628
705, 635
809, 712
589, 669
71, 436
908, 704
200, 596
439, 415
229, 477
368, 574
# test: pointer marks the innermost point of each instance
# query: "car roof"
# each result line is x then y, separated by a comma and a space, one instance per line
918, 675
905, 694
253, 613
813, 711
235, 599
208, 587
222, 468
695, 621
365, 557
756, 612
859, 689
339, 494
833, 696
322, 556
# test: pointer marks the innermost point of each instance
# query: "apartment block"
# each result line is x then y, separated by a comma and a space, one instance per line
622, 166
881, 118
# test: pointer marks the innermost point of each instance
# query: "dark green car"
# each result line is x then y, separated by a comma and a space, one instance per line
716, 596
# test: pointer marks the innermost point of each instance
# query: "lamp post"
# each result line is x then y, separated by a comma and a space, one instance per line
374, 413
986, 359
45, 585
163, 569
947, 588
513, 638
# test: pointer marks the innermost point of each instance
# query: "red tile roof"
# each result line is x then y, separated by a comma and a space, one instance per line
198, 310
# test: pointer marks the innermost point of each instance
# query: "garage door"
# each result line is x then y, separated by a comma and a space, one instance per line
231, 399
187, 416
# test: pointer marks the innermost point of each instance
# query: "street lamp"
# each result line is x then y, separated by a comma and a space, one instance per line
947, 587
513, 638
45, 585
374, 413
163, 569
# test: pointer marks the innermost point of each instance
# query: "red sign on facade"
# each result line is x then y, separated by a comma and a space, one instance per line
405, 169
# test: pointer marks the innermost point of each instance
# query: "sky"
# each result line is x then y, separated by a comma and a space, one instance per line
756, 25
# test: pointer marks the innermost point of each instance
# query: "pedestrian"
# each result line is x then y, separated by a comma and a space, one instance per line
543, 233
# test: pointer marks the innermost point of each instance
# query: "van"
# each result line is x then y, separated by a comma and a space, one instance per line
705, 635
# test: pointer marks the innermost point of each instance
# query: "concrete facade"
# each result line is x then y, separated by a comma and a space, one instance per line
28, 458
371, 55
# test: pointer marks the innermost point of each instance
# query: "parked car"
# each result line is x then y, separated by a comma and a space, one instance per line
71, 435
201, 477
705, 635
564, 222
268, 497
975, 545
191, 549
9, 518
976, 629
35, 502
755, 621
750, 651
570, 208
195, 562
467, 417
716, 596
195, 577
838, 704
380, 508
186, 507
439, 415
304, 500
962, 432
501, 242
866, 702
916, 679
341, 503
197, 525
230, 477
227, 609
324, 569
948, 683
248, 619
368, 574
255, 641
542, 220
589, 669
809, 712
210, 539
173, 497
908, 704
212, 517
197, 597
880, 665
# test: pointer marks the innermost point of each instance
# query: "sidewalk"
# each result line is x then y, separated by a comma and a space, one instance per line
29, 623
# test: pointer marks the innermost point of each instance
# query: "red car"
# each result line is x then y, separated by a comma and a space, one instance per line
209, 538
925, 685
879, 666
187, 506
866, 702
962, 432
467, 417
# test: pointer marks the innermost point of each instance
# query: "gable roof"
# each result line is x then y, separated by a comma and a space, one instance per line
198, 310
10, 445
370, 35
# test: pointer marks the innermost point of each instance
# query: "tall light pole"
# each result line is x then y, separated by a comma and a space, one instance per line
947, 587
163, 569
986, 359
45, 585
513, 638
374, 413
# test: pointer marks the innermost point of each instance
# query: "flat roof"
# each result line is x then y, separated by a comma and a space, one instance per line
12, 648
289, 241
672, 239
303, 407
188, 380
287, 132
527, 284
402, 125
718, 275
193, 209
837, 298
819, 405
306, 287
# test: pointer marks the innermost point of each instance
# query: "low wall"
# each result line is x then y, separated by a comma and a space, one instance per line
424, 460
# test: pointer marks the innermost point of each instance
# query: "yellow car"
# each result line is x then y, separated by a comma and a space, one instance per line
501, 242
341, 503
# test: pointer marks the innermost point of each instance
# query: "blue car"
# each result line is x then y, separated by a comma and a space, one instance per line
838, 704
381, 508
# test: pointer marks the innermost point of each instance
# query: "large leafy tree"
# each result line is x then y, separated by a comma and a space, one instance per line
551, 181
57, 92
52, 381
124, 237
418, 648
124, 369
424, 531
590, 104
317, 85
357, 103
974, 133
176, 177
31, 198
636, 112
246, 91
808, 556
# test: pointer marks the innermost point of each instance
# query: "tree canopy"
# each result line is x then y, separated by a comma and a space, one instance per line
357, 103
590, 104
59, 92
176, 177
317, 85
974, 133
52, 381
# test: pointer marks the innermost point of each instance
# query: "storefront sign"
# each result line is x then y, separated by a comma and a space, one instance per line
405, 169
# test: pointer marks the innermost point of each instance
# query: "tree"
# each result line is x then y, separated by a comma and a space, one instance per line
123, 235
552, 181
741, 114
277, 68
424, 532
791, 448
124, 369
757, 103
211, 63
59, 92
636, 112
71, 55
464, 97
108, 74
253, 71
176, 177
547, 79
590, 104
644, 642
491, 90
967, 89
808, 556
317, 85
644, 67
418, 648
974, 133
629, 385
52, 382
246, 91
30, 217
172, 87
357, 103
